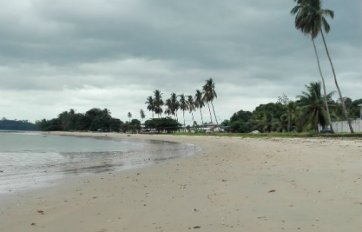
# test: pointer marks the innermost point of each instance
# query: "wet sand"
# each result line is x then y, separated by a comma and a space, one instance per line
232, 185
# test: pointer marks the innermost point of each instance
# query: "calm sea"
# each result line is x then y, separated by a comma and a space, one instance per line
31, 159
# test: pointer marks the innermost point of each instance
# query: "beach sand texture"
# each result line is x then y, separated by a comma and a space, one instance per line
234, 184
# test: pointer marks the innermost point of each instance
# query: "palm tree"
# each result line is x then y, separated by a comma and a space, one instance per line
199, 103
168, 104
311, 103
129, 115
158, 102
301, 10
151, 105
292, 108
313, 19
175, 105
191, 106
142, 114
183, 106
209, 96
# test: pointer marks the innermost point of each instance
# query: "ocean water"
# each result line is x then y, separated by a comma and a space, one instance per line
30, 159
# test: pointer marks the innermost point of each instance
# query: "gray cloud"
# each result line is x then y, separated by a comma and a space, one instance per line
56, 55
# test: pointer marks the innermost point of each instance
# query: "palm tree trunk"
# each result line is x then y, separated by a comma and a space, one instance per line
208, 106
183, 113
193, 119
336, 83
213, 109
324, 88
202, 120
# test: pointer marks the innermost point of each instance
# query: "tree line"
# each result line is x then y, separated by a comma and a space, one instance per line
6, 124
93, 120
306, 113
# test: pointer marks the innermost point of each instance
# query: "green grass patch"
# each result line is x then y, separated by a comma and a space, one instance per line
274, 135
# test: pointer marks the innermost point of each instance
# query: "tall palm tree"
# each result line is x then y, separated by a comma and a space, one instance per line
129, 115
142, 114
158, 102
151, 105
313, 19
209, 96
183, 106
175, 105
199, 103
311, 103
191, 107
301, 10
168, 105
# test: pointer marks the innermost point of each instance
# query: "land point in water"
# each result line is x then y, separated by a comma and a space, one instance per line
32, 159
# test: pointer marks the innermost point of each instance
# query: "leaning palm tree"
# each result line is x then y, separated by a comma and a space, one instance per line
311, 103
151, 105
209, 94
183, 106
191, 107
311, 18
158, 102
301, 10
199, 103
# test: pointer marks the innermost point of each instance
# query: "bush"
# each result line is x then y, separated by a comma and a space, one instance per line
162, 124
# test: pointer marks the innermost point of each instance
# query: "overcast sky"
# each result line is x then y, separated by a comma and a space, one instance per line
62, 54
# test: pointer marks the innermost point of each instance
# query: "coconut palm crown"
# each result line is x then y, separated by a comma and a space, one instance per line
311, 103
310, 18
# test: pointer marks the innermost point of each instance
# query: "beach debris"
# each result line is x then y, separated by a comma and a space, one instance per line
40, 211
1, 171
196, 227
223, 180
195, 210
272, 191
33, 224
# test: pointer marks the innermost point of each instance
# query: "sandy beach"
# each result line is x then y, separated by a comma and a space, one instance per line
234, 184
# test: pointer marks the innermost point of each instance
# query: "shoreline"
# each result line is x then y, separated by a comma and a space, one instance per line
234, 184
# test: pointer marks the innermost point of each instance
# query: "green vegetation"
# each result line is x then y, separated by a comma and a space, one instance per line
6, 124
162, 124
275, 135
302, 116
93, 120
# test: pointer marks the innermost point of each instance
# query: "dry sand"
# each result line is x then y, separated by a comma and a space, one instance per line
233, 185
